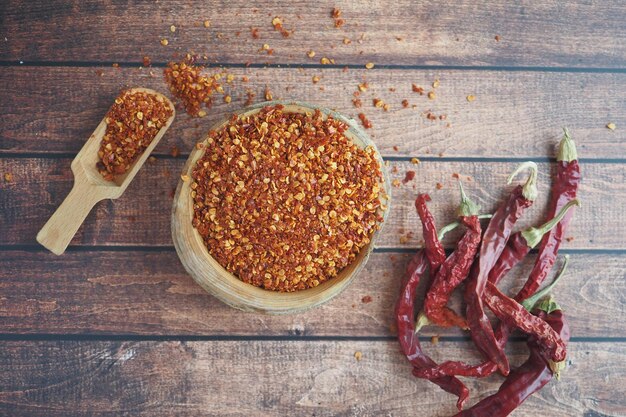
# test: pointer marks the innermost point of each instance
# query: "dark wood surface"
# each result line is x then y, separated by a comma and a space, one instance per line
116, 327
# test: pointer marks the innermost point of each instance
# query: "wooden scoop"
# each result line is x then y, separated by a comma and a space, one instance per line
90, 187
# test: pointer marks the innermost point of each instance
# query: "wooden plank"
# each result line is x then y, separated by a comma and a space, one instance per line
142, 215
276, 378
551, 33
515, 114
149, 293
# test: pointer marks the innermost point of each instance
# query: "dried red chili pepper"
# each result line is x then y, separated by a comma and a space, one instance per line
494, 242
458, 368
432, 246
455, 269
409, 341
564, 189
529, 378
520, 243
514, 314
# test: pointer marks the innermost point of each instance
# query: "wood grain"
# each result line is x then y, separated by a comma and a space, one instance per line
550, 33
293, 378
515, 114
149, 293
142, 215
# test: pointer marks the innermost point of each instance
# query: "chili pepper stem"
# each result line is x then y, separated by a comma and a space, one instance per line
450, 227
421, 321
533, 235
530, 302
530, 187
467, 206
567, 148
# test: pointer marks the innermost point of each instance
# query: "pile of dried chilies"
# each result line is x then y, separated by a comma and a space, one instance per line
481, 260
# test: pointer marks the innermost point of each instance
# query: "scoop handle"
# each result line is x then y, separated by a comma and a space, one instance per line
59, 230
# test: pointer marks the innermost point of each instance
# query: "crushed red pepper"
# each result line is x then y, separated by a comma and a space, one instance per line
132, 123
365, 121
285, 200
191, 87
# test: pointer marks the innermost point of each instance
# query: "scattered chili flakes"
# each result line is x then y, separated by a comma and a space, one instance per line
415, 161
357, 102
249, 97
365, 121
146, 61
434, 340
152, 160
277, 22
386, 107
363, 86
417, 89
435, 83
395, 183
115, 65
611, 126
244, 79
358, 355
471, 98
405, 103
366, 299
408, 176
255, 33
8, 177
431, 116
369, 65
191, 87
268, 94
378, 102
346, 41
266, 178
164, 42
174, 151
431, 95
394, 169
327, 61
172, 28
310, 54
134, 120
497, 38
455, 175
439, 186
569, 238
227, 99
99, 73
315, 79
206, 23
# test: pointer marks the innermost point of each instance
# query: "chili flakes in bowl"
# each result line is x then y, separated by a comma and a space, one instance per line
284, 200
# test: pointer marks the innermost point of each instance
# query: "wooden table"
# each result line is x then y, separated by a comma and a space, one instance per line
116, 326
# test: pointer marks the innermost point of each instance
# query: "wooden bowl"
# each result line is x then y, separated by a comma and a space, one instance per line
227, 287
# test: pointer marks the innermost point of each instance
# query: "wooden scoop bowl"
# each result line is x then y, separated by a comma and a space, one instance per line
90, 187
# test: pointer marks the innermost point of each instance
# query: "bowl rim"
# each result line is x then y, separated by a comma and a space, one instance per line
224, 285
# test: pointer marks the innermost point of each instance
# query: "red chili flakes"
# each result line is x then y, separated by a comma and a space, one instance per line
277, 22
283, 200
146, 61
365, 121
8, 177
439, 186
434, 340
455, 175
415, 161
431, 116
378, 102
315, 79
363, 86
395, 148
417, 89
497, 38
327, 61
115, 65
394, 169
357, 102
249, 97
408, 176
569, 238
395, 183
174, 151
405, 103
191, 87
99, 73
366, 299
255, 33
268, 94
336, 15
131, 124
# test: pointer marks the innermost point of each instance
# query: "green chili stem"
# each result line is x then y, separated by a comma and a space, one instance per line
567, 148
530, 302
421, 321
533, 235
530, 187
450, 227
467, 206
